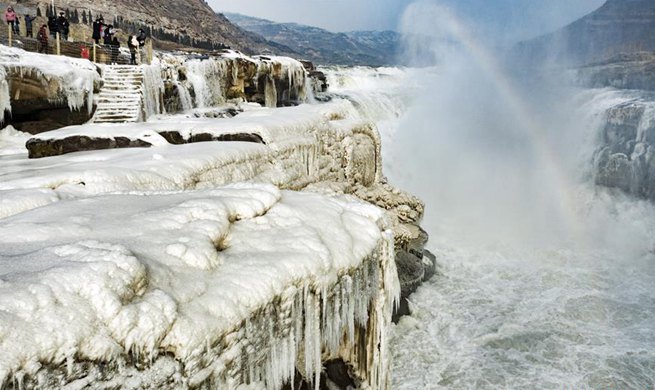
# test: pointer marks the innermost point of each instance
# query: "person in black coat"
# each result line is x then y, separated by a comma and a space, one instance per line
28, 25
52, 26
63, 26
109, 34
115, 45
97, 29
141, 38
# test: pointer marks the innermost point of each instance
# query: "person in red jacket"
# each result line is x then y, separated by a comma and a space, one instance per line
10, 17
42, 39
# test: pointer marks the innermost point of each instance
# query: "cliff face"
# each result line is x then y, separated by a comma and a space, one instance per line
626, 157
372, 48
619, 26
625, 71
42, 93
179, 20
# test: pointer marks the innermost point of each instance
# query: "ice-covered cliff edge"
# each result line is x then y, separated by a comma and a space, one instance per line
40, 93
624, 101
236, 285
147, 229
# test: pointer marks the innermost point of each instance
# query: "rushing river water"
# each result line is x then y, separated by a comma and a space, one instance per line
545, 280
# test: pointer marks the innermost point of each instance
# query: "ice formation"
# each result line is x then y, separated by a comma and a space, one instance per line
216, 79
153, 89
175, 281
5, 103
296, 278
61, 78
321, 276
196, 82
303, 145
12, 141
205, 78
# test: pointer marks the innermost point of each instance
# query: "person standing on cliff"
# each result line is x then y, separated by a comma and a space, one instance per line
141, 38
132, 44
97, 30
28, 25
10, 17
52, 26
108, 35
42, 39
63, 26
17, 26
115, 48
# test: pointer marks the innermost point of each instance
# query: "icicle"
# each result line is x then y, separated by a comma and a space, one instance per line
185, 97
235, 72
153, 89
5, 100
205, 76
270, 92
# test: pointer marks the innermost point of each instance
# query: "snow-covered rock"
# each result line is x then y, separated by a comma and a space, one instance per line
240, 284
69, 89
173, 265
35, 82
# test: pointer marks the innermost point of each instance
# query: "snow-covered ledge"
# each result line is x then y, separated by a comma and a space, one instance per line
244, 284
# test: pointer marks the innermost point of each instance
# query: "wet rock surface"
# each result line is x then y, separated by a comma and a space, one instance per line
176, 138
415, 265
38, 148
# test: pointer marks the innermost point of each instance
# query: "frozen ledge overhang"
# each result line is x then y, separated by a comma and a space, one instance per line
244, 284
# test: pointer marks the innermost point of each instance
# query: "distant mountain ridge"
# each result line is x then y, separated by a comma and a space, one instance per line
374, 48
618, 26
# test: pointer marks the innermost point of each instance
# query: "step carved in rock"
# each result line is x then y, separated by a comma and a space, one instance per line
121, 98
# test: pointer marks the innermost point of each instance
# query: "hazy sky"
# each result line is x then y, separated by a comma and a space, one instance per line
523, 17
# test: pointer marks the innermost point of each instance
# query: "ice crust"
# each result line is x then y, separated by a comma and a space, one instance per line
144, 278
304, 145
137, 259
5, 103
72, 79
208, 79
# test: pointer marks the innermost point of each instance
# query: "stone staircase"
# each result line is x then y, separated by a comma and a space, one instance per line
121, 97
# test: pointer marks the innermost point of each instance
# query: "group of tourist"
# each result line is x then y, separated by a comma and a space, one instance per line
59, 25
101, 31
55, 25
13, 21
106, 32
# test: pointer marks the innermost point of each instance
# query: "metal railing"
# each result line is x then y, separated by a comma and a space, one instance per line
101, 54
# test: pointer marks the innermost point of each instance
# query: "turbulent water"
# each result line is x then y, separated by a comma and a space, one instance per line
546, 281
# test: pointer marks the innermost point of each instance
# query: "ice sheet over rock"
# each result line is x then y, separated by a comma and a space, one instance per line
60, 77
303, 145
240, 284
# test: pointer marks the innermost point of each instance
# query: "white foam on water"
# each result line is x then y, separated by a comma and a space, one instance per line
521, 299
